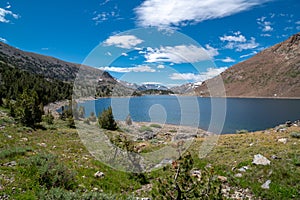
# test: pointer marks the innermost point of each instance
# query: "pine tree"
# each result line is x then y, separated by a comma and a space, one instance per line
81, 112
106, 120
28, 109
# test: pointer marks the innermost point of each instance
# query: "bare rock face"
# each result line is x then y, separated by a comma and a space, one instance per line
274, 72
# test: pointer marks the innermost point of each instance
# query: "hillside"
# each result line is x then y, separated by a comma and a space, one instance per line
55, 69
53, 163
274, 72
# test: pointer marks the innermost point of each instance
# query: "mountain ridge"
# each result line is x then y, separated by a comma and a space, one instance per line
273, 72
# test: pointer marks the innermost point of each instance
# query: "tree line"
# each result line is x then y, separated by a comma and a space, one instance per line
27, 93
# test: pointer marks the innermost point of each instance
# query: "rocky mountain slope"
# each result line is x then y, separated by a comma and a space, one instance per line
274, 72
55, 69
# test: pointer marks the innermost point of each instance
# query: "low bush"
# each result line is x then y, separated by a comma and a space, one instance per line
155, 126
13, 152
295, 135
145, 128
48, 171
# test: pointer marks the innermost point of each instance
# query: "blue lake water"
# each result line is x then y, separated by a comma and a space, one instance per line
220, 115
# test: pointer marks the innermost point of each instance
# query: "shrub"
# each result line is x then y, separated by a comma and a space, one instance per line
145, 128
86, 121
28, 110
12, 152
48, 118
179, 183
106, 120
92, 117
128, 120
241, 131
62, 194
295, 135
155, 125
71, 122
47, 171
81, 112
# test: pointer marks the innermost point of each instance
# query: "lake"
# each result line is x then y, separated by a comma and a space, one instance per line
219, 115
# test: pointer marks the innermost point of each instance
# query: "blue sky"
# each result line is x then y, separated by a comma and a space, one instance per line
163, 41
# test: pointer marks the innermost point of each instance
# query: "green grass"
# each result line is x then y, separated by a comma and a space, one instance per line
145, 128
66, 160
155, 126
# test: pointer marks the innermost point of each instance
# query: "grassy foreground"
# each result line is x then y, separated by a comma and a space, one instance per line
52, 163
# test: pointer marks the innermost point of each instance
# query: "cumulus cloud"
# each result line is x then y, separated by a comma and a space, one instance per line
123, 41
160, 67
3, 40
139, 68
210, 73
179, 54
170, 13
239, 42
4, 13
233, 38
264, 25
227, 60
104, 16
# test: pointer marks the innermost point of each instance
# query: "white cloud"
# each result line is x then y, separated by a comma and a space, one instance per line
266, 35
298, 23
288, 28
239, 38
8, 5
160, 67
123, 41
265, 26
179, 54
152, 83
139, 68
104, 16
3, 40
104, 2
168, 13
4, 13
228, 60
239, 42
249, 54
211, 51
124, 54
210, 73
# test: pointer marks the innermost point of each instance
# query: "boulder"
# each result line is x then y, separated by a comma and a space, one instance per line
185, 136
266, 185
260, 160
10, 164
147, 135
99, 174
282, 140
222, 179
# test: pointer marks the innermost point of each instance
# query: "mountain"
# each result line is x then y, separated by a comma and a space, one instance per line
274, 72
187, 89
151, 86
87, 79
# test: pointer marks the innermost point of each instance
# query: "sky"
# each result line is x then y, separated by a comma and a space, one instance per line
169, 42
